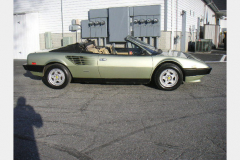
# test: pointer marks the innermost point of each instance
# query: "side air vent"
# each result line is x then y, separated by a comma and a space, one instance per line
79, 60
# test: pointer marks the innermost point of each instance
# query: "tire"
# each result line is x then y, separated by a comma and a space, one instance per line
168, 77
57, 76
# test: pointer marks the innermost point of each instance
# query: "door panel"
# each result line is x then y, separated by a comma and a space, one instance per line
84, 65
125, 67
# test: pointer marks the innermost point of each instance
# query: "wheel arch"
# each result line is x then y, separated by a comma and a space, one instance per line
55, 62
168, 61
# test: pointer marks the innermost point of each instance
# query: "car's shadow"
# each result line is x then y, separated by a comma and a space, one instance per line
30, 75
150, 85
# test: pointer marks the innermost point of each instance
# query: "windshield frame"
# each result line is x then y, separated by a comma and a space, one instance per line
143, 45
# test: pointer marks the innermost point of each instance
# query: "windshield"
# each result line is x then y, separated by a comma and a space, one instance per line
151, 50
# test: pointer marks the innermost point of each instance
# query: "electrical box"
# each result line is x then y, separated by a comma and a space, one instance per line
98, 13
85, 29
97, 23
74, 28
75, 22
119, 24
147, 21
98, 27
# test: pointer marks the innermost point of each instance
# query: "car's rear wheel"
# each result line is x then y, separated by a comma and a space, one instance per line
57, 76
168, 77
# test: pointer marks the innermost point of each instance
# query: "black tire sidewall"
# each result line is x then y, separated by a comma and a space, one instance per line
164, 67
65, 71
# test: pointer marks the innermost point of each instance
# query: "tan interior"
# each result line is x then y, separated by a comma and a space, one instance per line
93, 49
122, 53
103, 51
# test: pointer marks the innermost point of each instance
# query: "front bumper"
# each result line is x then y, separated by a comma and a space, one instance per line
196, 71
34, 68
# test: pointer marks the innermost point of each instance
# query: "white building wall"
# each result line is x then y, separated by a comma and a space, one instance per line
223, 24
49, 13
25, 42
50, 20
193, 8
50, 10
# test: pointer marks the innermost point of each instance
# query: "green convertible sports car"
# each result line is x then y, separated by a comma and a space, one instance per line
138, 63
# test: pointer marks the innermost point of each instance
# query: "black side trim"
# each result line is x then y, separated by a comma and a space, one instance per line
34, 68
196, 71
104, 80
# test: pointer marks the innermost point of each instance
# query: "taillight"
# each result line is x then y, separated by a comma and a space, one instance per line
34, 63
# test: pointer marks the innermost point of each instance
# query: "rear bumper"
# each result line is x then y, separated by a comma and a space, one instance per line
34, 68
196, 71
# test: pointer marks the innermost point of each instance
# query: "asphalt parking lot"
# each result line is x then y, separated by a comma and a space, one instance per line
110, 121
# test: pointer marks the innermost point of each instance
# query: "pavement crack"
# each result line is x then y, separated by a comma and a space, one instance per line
85, 105
215, 144
164, 145
89, 146
145, 128
144, 131
71, 151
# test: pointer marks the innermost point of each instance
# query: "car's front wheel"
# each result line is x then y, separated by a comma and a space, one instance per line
168, 77
57, 76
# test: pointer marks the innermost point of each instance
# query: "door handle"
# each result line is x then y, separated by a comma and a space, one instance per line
102, 59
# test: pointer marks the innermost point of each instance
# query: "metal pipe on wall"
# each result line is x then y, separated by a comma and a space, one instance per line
150, 41
62, 17
104, 42
172, 32
76, 36
143, 39
156, 42
98, 41
176, 22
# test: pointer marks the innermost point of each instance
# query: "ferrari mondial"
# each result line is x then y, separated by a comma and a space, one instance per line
138, 63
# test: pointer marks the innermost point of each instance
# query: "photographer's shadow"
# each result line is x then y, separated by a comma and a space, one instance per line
25, 147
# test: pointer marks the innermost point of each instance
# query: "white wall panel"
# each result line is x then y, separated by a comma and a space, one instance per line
49, 13
26, 36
